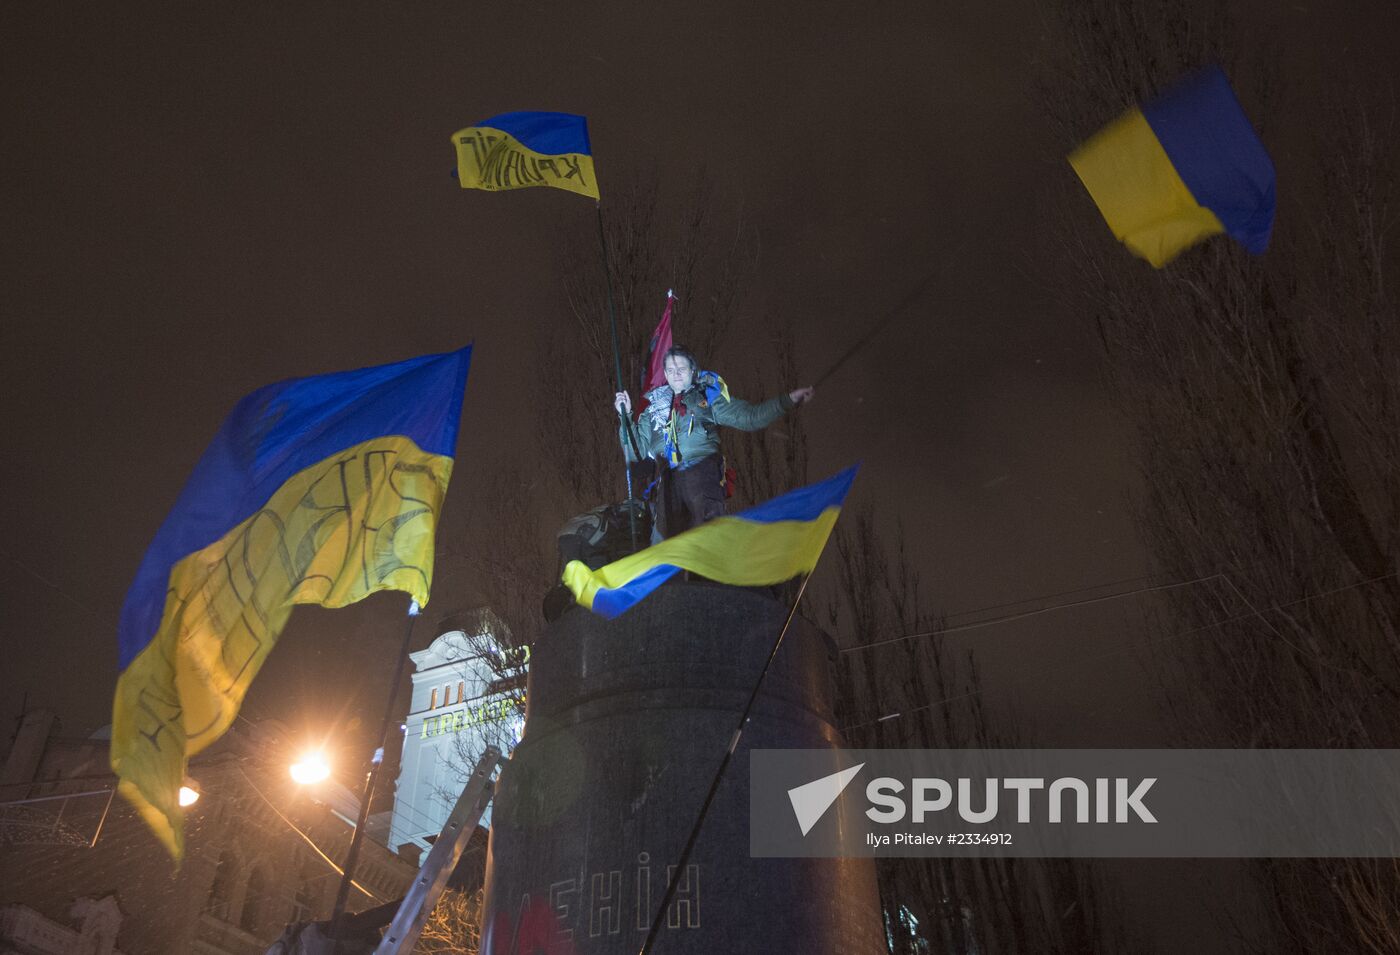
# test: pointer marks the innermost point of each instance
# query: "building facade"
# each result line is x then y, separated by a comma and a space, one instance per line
81, 873
91, 929
468, 693
258, 852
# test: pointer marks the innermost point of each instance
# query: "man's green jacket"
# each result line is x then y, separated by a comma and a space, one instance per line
683, 439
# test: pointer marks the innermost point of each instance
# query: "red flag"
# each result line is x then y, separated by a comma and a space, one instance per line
660, 345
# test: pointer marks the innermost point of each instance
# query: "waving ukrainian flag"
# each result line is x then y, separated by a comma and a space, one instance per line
1180, 169
764, 545
315, 491
515, 150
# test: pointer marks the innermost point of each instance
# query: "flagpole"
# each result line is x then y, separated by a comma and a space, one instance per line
617, 368
894, 313
869, 336
352, 856
679, 868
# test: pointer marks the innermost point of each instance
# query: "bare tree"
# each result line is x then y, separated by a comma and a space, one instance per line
916, 694
508, 551
774, 460
1267, 405
454, 928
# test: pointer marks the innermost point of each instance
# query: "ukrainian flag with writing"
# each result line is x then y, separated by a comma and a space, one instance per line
1182, 168
515, 150
317, 490
763, 545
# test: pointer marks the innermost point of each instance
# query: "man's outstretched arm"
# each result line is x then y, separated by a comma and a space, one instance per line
737, 413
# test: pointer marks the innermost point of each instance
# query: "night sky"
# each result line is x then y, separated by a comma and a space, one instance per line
200, 199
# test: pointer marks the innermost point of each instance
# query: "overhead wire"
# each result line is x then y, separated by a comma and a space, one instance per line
305, 838
1112, 653
1007, 618
1052, 596
127, 840
69, 599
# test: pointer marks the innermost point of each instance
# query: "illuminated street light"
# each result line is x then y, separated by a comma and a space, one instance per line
310, 769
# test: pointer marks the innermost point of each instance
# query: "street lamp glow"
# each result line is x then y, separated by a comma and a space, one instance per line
310, 769
188, 796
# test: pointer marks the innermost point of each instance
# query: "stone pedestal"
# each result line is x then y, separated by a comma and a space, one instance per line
627, 721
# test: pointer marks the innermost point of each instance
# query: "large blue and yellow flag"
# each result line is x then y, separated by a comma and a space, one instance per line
763, 545
317, 490
515, 150
1182, 168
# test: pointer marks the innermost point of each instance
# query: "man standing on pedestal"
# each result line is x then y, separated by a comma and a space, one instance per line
680, 428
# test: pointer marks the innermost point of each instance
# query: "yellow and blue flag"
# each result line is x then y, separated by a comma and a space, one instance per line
317, 490
515, 150
763, 545
1180, 169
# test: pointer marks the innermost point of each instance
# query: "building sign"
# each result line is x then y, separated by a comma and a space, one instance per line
484, 711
